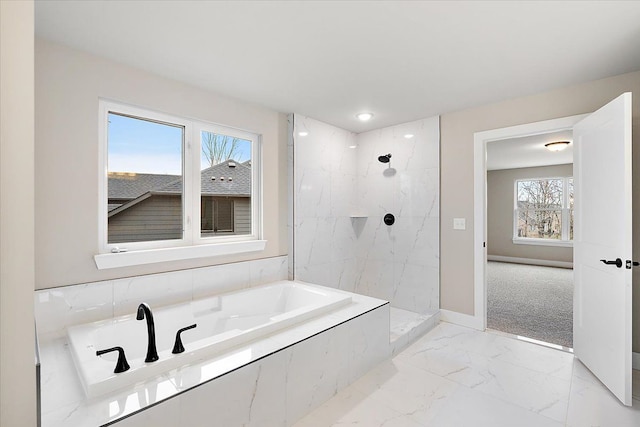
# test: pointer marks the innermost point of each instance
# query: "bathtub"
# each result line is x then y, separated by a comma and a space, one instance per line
224, 321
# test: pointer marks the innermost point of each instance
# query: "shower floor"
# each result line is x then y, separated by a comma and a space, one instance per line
407, 326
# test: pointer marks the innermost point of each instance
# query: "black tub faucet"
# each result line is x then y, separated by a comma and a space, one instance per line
122, 365
145, 312
177, 346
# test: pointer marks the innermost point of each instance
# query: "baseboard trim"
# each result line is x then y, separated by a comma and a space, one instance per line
635, 360
530, 261
462, 319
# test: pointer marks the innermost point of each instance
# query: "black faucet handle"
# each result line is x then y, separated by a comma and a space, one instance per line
121, 364
177, 346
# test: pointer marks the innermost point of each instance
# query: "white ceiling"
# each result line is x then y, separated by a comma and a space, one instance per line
401, 60
528, 151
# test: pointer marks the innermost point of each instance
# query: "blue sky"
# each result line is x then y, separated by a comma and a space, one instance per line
146, 147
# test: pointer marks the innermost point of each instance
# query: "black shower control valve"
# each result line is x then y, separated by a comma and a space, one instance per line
389, 219
121, 364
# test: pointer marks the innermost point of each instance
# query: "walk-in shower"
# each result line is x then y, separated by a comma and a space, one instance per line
342, 234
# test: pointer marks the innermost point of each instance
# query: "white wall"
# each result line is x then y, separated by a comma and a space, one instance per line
68, 84
17, 367
341, 195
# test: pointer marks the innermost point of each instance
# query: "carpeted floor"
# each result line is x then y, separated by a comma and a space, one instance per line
532, 301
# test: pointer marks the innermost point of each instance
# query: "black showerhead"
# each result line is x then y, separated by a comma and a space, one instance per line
385, 158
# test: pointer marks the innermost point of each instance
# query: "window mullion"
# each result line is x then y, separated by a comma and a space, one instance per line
195, 184
565, 204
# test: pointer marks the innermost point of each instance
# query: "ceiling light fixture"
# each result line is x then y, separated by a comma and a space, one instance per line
409, 136
557, 145
363, 117
303, 133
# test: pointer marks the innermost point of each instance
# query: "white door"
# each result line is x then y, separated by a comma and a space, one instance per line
602, 233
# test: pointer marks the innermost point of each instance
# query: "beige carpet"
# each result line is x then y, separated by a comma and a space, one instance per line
532, 301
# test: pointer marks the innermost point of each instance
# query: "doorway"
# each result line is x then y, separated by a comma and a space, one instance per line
602, 242
529, 213
481, 140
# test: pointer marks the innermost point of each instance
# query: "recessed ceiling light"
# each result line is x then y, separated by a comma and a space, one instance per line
363, 117
303, 133
353, 146
557, 145
409, 136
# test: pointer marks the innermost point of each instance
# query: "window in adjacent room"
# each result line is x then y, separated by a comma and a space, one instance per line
543, 210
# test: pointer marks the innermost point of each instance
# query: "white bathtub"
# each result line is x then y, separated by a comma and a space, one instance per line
223, 321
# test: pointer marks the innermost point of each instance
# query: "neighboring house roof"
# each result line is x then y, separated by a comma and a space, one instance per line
240, 185
129, 185
228, 178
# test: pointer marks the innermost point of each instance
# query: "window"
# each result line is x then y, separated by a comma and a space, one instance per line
145, 179
225, 168
543, 211
160, 170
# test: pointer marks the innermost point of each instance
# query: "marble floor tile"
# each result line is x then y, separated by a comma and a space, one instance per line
467, 407
406, 389
538, 358
590, 404
530, 389
352, 407
455, 376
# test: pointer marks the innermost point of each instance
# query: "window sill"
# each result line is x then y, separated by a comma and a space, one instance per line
151, 256
544, 242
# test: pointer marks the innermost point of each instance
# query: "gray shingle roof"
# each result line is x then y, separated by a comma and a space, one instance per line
240, 184
231, 178
128, 185
224, 179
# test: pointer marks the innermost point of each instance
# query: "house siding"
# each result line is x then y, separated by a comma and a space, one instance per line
242, 215
156, 218
160, 218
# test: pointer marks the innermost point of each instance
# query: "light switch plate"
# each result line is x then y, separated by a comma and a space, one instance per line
459, 224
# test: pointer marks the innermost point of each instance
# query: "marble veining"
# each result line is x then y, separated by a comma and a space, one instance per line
336, 175
455, 376
254, 393
57, 308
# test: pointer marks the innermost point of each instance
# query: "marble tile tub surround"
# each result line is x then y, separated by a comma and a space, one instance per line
341, 194
455, 376
57, 308
270, 382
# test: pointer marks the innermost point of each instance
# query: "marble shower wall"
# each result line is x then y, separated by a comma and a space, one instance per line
325, 179
341, 196
400, 263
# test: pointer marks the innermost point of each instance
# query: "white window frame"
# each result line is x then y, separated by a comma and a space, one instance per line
564, 240
191, 245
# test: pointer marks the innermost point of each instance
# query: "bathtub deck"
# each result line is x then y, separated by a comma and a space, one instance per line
351, 327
